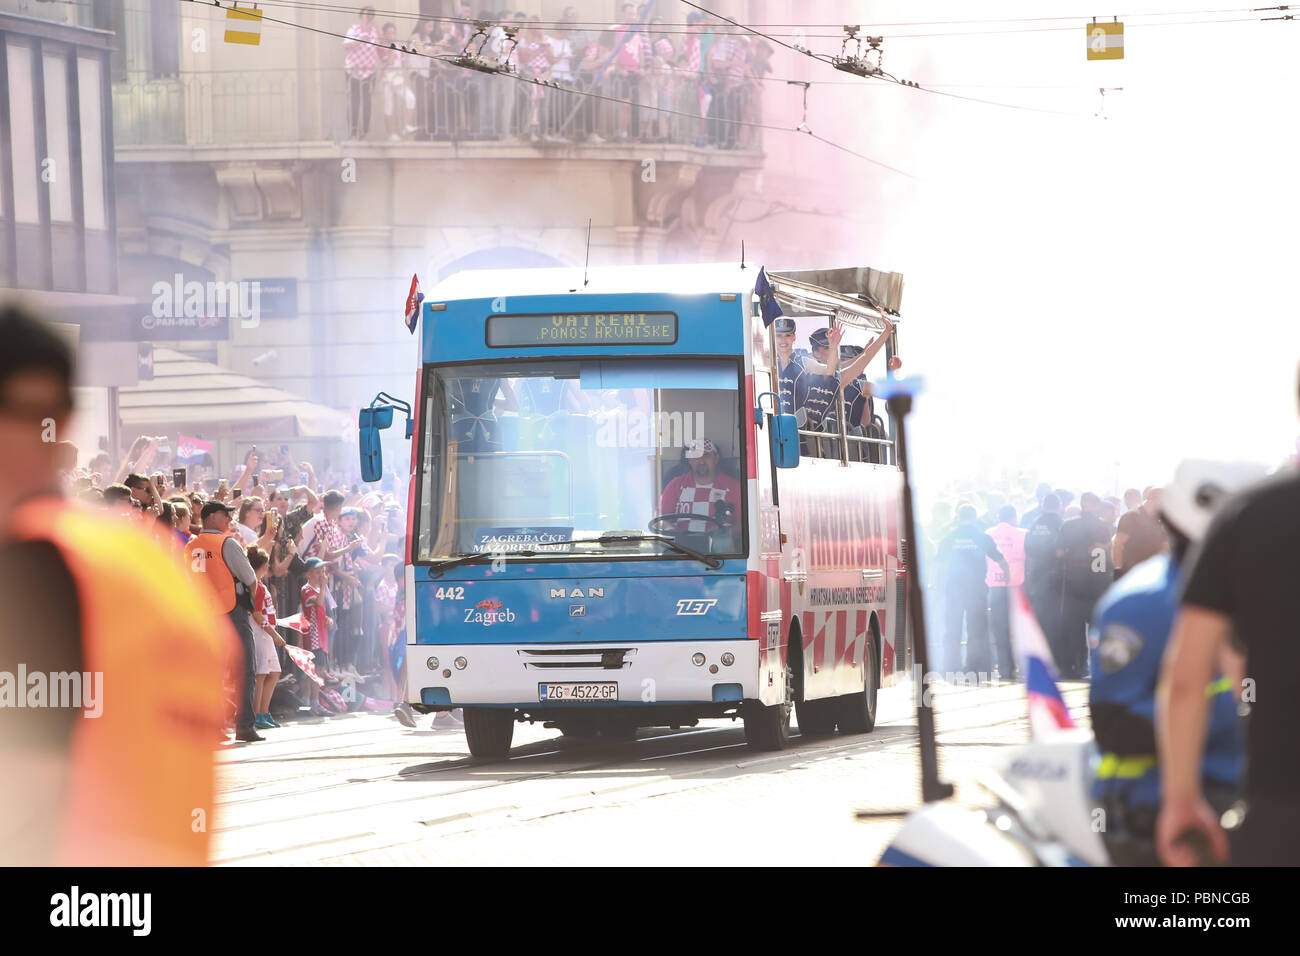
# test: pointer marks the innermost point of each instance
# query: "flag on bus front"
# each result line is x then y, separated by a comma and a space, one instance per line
1047, 710
413, 300
767, 303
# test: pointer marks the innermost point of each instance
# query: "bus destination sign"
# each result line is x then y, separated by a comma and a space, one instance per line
582, 328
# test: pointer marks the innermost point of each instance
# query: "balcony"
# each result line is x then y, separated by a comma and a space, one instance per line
308, 113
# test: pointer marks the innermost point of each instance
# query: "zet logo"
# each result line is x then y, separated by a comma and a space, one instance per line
489, 611
695, 605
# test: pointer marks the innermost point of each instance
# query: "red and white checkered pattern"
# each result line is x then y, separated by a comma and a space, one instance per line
535, 58
362, 58
329, 537
683, 496
693, 52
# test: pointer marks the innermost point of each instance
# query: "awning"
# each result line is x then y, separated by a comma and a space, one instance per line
204, 399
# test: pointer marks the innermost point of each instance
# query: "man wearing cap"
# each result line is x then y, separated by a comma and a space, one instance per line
788, 365
809, 386
703, 490
219, 559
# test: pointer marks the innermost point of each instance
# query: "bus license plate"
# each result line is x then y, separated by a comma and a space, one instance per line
602, 690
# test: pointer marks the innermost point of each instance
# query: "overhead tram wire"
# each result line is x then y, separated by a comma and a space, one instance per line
893, 80
452, 61
583, 24
678, 29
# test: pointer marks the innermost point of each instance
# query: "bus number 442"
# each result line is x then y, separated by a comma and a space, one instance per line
695, 605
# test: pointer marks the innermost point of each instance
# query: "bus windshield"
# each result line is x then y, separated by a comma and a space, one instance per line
547, 456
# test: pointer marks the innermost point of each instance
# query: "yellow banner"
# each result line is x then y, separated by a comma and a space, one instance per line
1105, 41
241, 33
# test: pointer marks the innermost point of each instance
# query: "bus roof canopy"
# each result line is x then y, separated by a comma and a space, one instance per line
859, 290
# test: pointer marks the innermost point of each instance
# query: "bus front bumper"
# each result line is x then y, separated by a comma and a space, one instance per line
524, 675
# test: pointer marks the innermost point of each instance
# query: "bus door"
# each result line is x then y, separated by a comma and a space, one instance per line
773, 591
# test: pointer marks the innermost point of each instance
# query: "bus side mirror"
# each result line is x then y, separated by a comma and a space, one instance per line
369, 423
784, 435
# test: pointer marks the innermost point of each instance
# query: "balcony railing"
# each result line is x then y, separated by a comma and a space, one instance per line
291, 106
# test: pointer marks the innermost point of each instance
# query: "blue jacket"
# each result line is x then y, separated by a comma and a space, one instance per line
1133, 620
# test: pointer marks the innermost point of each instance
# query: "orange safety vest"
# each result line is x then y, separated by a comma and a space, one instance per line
203, 555
141, 782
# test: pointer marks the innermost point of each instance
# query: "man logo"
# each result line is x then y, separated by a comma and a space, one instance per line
577, 593
577, 610
695, 605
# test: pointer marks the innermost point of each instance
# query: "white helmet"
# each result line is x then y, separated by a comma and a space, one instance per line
1199, 487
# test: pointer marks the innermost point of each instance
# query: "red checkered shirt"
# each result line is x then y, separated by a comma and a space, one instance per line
693, 52
683, 496
329, 537
535, 59
362, 58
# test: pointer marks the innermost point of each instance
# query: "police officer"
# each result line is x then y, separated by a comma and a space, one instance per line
1083, 545
1133, 621
1043, 566
965, 553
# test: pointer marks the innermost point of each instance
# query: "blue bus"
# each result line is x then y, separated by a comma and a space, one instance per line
612, 524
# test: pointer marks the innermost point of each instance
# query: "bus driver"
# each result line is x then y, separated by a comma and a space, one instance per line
704, 490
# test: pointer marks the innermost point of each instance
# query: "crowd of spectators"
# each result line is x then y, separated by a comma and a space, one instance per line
327, 559
1064, 550
711, 76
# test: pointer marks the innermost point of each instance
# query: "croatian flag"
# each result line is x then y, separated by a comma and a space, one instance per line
190, 451
306, 663
1047, 711
413, 300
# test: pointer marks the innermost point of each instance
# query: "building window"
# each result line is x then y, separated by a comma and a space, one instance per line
111, 15
92, 142
22, 132
58, 170
165, 39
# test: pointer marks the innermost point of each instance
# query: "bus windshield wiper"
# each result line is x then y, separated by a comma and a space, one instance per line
462, 559
708, 559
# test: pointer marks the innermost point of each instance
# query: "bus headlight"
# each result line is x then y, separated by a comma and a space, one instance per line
697, 659
461, 663
432, 663
728, 659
